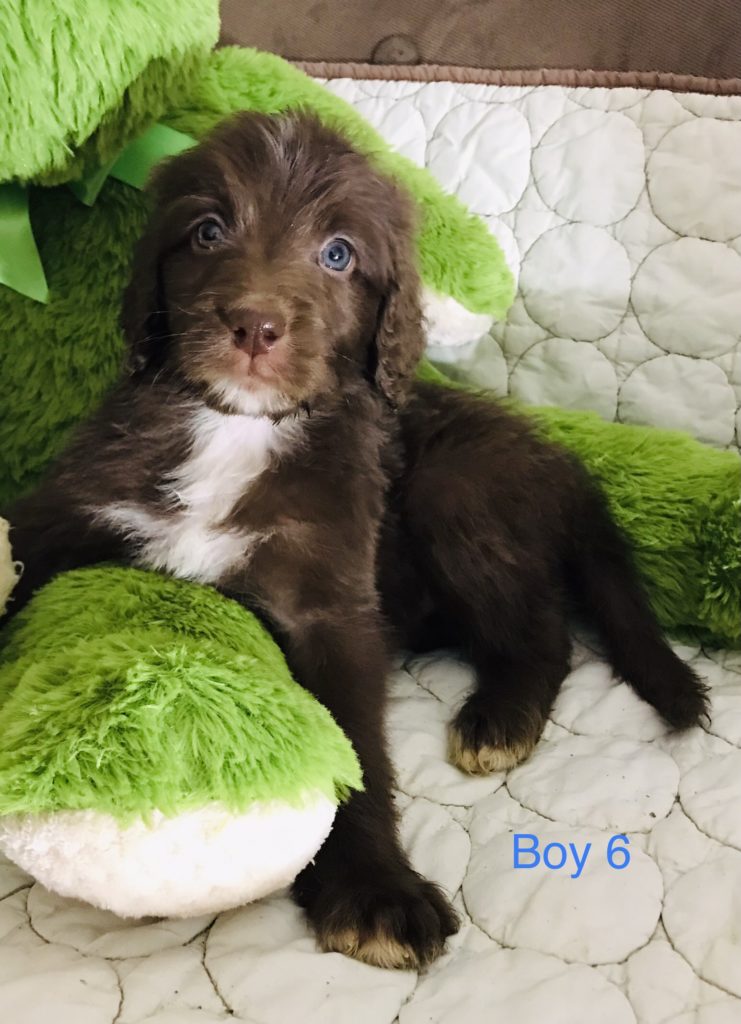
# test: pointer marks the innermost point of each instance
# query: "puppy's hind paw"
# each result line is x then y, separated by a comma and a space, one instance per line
483, 739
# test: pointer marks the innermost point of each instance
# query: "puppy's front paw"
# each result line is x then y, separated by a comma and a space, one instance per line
485, 738
397, 921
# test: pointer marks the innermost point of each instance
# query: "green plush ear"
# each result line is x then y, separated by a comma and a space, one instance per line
79, 80
76, 85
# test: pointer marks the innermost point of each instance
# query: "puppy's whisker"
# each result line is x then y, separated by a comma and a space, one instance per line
157, 376
349, 359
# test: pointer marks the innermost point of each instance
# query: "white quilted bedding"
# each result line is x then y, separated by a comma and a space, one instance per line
622, 212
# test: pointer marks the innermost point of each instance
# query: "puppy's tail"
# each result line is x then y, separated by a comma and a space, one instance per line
614, 601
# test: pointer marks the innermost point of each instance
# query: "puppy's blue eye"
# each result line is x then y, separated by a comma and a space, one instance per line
336, 255
209, 233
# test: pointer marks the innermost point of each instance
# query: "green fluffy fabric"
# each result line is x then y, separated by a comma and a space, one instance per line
123, 691
56, 361
79, 79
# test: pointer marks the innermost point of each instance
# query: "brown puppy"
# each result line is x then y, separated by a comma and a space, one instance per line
268, 438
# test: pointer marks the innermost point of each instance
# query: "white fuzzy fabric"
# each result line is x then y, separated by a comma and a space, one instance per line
450, 323
8, 569
199, 862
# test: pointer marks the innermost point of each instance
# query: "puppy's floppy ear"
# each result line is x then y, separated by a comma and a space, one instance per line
143, 315
399, 337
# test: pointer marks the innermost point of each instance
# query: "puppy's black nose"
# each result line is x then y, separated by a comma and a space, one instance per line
255, 332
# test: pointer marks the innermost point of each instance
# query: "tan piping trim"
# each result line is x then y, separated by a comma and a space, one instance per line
572, 78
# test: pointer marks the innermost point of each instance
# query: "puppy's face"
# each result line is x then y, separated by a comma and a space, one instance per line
277, 268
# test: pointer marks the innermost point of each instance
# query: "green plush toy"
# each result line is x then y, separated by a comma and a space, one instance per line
149, 726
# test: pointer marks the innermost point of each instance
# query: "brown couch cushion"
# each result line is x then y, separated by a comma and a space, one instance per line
687, 37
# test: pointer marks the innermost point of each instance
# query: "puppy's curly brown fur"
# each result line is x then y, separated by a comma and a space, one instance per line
268, 437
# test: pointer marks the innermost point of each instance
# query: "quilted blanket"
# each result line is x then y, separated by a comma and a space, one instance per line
601, 880
620, 211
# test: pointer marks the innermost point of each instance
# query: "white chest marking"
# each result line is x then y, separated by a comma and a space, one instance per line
228, 454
